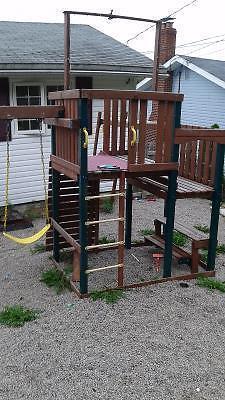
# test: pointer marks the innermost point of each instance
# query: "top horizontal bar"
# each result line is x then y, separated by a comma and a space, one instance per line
115, 94
116, 16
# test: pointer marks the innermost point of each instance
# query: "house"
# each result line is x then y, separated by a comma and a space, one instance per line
31, 65
202, 81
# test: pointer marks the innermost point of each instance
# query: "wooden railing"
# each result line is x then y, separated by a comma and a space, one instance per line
126, 122
198, 153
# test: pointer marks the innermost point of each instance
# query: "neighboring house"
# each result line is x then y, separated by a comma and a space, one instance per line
202, 81
31, 65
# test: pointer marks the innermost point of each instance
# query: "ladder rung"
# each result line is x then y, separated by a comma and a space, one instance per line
102, 196
89, 271
102, 221
103, 246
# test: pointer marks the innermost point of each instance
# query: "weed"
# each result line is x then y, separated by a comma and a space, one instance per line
107, 205
68, 269
17, 316
179, 239
211, 283
220, 249
55, 279
202, 228
66, 256
110, 297
38, 248
215, 126
146, 231
33, 212
105, 240
204, 255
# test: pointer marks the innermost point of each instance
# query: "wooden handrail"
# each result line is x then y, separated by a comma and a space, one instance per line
184, 135
130, 95
18, 112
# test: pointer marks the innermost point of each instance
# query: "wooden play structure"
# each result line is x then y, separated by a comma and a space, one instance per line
186, 163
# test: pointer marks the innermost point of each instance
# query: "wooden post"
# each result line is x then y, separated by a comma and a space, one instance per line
155, 74
129, 195
171, 200
66, 50
216, 200
83, 180
55, 199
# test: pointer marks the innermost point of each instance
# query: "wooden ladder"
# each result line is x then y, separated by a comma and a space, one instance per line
120, 242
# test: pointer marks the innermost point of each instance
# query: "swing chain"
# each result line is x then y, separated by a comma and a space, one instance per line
43, 171
7, 175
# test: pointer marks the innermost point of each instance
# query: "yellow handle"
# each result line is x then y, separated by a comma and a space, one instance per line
86, 138
133, 141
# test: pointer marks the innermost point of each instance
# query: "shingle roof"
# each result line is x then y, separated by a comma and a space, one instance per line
41, 44
214, 67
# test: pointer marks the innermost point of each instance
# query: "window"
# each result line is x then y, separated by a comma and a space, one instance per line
28, 96
52, 88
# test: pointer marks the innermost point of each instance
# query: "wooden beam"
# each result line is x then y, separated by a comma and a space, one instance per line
30, 112
155, 74
65, 94
66, 51
66, 236
130, 95
65, 167
63, 122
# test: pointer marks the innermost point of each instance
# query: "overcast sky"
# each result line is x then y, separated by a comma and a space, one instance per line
201, 20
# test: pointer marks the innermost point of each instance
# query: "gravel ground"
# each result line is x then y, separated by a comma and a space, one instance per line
161, 342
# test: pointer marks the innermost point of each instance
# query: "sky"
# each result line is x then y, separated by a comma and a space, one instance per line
200, 20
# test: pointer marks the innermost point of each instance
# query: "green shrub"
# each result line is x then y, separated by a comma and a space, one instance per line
146, 231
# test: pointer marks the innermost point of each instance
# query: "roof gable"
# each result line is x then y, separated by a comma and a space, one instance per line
213, 70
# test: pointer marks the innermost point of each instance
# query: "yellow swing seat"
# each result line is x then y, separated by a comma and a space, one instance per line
30, 239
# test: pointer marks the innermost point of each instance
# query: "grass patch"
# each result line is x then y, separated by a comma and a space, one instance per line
107, 205
179, 239
146, 231
105, 240
110, 297
16, 316
55, 279
211, 283
202, 228
38, 248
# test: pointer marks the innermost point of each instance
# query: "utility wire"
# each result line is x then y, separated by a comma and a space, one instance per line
204, 47
198, 41
151, 26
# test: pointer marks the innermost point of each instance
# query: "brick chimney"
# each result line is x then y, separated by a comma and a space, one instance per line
166, 51
167, 46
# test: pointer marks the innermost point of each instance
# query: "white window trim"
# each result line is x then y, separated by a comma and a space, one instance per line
15, 131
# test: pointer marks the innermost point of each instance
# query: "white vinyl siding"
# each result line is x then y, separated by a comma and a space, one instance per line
204, 101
